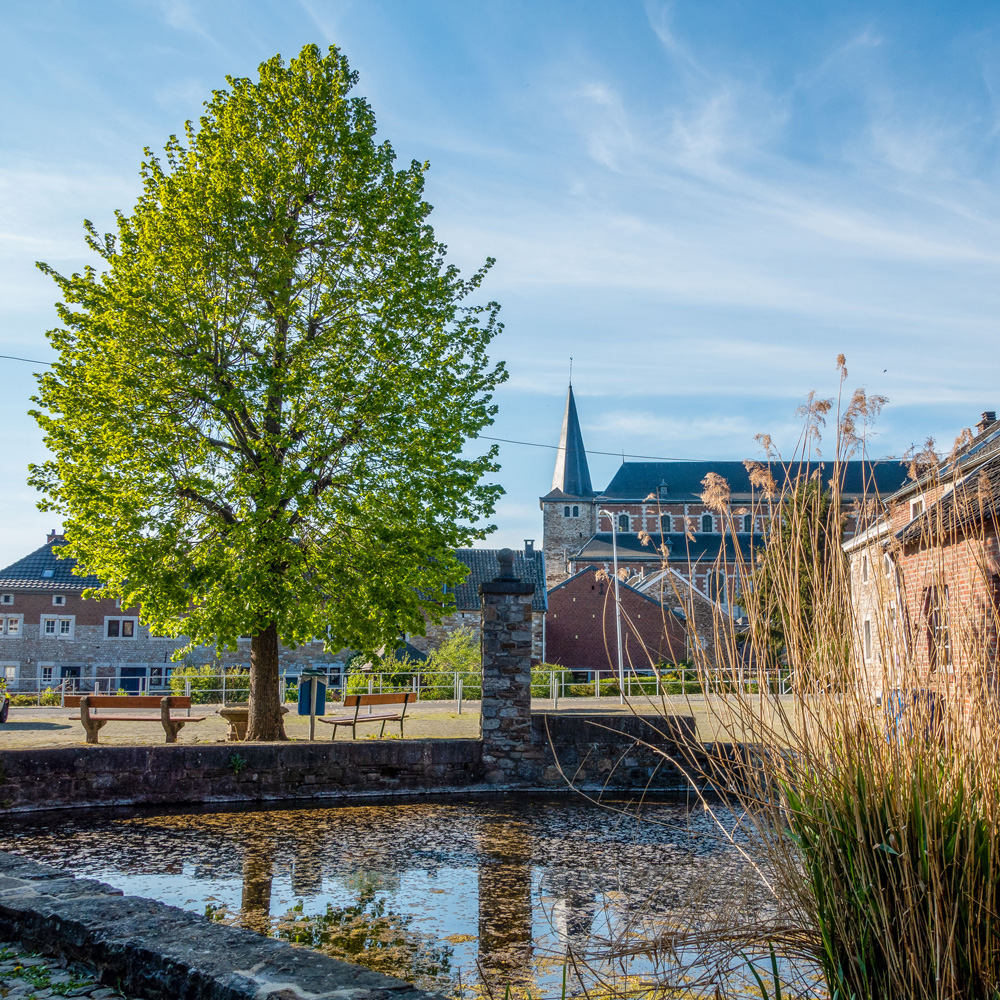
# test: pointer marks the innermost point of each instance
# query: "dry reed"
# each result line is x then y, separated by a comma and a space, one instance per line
867, 802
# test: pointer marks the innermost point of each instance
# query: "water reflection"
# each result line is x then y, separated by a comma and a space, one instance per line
453, 896
506, 939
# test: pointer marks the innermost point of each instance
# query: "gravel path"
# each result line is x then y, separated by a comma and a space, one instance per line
28, 976
34, 728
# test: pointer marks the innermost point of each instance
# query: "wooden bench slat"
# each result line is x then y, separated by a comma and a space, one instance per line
349, 720
388, 698
142, 718
127, 700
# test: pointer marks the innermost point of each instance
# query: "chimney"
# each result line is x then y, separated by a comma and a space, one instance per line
989, 418
53, 536
529, 548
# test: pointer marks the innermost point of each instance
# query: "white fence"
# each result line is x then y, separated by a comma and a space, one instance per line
547, 683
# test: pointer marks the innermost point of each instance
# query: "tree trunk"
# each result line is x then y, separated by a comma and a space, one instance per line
264, 723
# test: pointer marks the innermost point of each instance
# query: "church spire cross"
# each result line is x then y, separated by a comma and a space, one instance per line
572, 474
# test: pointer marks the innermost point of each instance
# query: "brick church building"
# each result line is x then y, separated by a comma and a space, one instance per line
671, 544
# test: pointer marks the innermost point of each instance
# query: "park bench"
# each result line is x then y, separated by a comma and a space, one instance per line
359, 701
94, 720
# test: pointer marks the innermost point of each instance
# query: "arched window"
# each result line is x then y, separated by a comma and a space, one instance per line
706, 522
748, 522
576, 511
565, 511
717, 586
665, 523
623, 522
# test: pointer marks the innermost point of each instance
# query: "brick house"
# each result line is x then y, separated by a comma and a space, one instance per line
582, 631
925, 578
50, 634
529, 565
664, 501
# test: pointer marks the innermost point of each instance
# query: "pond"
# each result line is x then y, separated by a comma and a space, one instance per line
459, 896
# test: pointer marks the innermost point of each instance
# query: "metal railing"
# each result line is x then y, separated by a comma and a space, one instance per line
548, 683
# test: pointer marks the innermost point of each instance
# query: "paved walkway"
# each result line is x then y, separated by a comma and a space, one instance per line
32, 727
28, 976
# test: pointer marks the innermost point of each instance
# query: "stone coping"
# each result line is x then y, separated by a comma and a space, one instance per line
161, 952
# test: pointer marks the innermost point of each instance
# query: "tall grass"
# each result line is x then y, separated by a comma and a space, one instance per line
868, 800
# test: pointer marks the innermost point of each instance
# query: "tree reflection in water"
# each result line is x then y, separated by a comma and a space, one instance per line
438, 893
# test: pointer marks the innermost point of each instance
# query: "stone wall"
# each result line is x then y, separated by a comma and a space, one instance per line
591, 751
615, 752
565, 535
153, 950
85, 776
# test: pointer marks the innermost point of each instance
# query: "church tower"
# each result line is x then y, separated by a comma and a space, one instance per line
568, 511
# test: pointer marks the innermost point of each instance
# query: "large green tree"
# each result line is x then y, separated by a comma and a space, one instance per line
263, 393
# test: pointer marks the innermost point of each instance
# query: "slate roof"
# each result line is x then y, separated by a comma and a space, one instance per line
683, 480
484, 566
621, 583
704, 549
42, 571
974, 499
572, 473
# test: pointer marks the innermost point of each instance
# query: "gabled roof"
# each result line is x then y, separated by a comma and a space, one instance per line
974, 499
674, 482
41, 570
572, 473
484, 566
704, 548
576, 578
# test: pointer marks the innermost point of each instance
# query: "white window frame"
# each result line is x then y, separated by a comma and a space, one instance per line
10, 671
4, 626
867, 638
58, 631
43, 669
6, 599
916, 507
59, 600
121, 619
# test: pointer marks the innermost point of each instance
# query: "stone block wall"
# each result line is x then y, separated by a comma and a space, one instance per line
149, 949
559, 749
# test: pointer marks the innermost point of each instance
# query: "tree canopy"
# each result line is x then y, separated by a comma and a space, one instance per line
263, 394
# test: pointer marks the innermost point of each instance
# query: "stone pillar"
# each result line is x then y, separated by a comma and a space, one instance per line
505, 723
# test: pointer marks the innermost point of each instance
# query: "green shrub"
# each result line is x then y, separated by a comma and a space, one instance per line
206, 684
459, 653
391, 673
292, 693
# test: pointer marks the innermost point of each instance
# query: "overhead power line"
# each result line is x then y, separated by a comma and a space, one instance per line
31, 361
589, 451
485, 437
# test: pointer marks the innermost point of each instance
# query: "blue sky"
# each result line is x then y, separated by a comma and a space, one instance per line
702, 203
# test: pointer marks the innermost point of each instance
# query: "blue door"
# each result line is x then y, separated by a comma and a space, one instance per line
131, 678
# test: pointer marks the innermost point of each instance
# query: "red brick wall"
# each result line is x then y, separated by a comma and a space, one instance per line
581, 626
33, 606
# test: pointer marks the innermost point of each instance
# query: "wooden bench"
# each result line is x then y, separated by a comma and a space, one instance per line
359, 701
94, 721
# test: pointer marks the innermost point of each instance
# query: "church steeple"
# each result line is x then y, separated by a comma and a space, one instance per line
572, 473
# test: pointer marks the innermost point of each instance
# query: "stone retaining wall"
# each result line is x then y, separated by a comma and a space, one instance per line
88, 776
592, 752
160, 952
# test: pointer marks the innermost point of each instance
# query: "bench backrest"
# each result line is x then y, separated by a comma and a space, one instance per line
127, 701
391, 698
